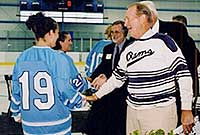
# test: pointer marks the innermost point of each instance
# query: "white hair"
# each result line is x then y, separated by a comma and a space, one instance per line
151, 6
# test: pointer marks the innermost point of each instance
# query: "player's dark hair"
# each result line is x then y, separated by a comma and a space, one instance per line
41, 25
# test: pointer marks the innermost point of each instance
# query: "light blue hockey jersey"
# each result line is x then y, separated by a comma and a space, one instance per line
78, 82
42, 93
95, 56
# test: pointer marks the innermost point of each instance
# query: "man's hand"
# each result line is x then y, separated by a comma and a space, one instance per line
19, 121
99, 81
91, 98
187, 120
89, 79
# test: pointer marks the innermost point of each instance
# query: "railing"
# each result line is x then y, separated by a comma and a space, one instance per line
17, 41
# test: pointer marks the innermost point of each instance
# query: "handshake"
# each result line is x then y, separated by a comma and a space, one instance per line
89, 94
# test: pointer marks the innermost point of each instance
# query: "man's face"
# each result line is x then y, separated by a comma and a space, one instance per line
66, 45
117, 34
134, 23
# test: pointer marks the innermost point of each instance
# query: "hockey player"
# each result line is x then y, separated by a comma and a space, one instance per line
42, 94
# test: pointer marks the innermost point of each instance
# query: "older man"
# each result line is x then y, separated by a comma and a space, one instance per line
180, 35
151, 77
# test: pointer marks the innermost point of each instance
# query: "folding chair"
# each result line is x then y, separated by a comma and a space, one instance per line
8, 79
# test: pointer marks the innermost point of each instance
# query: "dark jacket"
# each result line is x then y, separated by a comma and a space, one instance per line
105, 67
108, 114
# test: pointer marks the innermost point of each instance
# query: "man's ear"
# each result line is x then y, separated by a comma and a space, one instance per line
143, 17
61, 43
50, 32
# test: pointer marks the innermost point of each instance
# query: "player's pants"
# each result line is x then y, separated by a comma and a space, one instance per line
151, 119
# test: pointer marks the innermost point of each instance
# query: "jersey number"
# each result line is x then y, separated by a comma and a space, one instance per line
77, 82
46, 90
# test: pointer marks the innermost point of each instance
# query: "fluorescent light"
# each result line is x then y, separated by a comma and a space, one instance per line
73, 17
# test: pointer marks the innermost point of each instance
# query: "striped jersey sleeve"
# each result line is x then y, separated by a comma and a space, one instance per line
78, 82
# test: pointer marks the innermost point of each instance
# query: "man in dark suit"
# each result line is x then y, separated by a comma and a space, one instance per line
108, 115
179, 33
193, 52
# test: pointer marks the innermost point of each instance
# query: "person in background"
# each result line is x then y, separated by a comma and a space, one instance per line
194, 53
64, 42
151, 77
42, 94
180, 19
108, 115
179, 33
95, 55
63, 45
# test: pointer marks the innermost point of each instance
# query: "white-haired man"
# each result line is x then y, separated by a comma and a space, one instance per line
151, 77
179, 33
